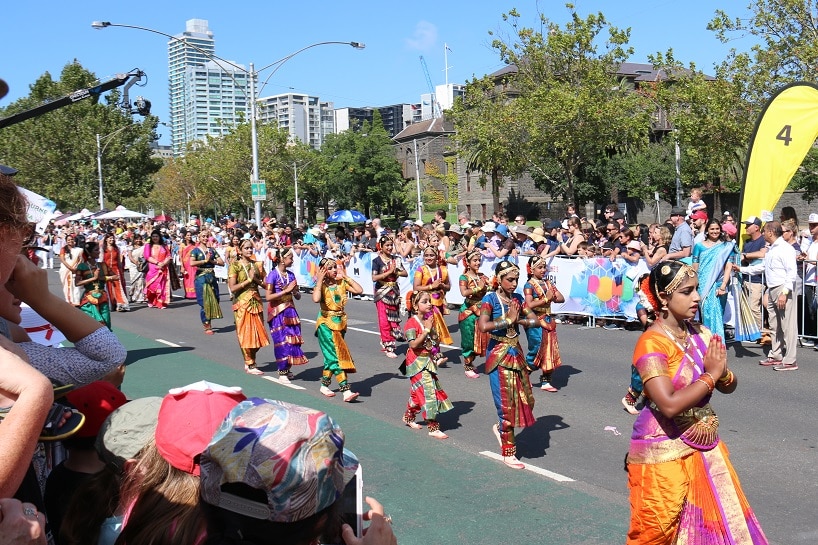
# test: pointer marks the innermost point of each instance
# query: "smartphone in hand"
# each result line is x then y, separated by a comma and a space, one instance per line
353, 503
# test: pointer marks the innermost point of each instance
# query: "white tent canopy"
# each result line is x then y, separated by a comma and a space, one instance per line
84, 213
121, 212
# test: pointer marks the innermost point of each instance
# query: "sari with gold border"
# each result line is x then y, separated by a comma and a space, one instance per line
683, 489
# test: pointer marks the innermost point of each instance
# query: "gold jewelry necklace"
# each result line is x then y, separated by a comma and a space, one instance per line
680, 338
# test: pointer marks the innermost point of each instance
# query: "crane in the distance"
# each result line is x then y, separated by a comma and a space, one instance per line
435, 105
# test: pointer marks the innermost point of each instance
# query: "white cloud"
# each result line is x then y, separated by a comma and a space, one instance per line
424, 37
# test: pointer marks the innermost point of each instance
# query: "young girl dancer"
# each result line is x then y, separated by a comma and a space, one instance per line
285, 325
386, 269
244, 276
473, 286
543, 348
433, 277
425, 393
501, 312
331, 325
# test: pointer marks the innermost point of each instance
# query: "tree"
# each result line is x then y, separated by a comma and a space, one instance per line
787, 51
362, 168
639, 172
486, 120
711, 121
218, 170
572, 109
56, 152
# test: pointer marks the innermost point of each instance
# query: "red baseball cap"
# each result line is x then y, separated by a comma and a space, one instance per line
699, 215
188, 418
96, 401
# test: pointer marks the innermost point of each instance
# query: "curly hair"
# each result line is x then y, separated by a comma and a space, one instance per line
13, 206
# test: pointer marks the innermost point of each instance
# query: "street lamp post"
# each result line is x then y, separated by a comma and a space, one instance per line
252, 73
419, 204
100, 151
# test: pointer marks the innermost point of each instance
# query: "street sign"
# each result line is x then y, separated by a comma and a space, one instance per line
258, 190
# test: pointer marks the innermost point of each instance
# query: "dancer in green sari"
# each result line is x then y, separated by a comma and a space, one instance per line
473, 286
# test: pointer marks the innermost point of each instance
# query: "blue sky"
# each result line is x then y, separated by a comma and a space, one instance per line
45, 36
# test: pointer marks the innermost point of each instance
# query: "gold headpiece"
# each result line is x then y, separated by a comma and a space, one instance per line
684, 271
504, 268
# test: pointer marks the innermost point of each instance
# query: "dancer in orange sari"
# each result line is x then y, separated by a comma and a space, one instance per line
543, 348
683, 488
433, 277
117, 298
157, 279
188, 270
244, 277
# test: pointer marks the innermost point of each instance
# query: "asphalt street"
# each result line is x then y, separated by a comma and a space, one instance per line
574, 489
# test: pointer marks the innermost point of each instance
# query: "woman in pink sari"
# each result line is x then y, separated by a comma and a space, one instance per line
188, 271
157, 279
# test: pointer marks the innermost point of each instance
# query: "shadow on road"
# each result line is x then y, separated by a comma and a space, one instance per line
740, 351
144, 353
366, 386
560, 377
450, 420
532, 442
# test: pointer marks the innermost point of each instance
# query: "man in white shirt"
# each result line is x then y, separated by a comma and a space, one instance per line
780, 274
810, 247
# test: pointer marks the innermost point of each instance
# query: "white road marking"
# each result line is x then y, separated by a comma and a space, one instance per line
538, 470
377, 333
163, 341
293, 386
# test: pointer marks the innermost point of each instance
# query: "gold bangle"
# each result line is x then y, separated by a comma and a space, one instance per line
709, 381
706, 385
726, 377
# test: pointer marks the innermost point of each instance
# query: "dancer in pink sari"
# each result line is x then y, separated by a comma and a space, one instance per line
157, 279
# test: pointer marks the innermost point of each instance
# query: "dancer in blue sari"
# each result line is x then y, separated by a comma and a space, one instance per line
711, 260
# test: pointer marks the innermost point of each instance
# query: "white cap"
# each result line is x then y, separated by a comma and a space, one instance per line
813, 218
488, 227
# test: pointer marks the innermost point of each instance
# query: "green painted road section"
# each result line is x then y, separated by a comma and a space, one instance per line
435, 491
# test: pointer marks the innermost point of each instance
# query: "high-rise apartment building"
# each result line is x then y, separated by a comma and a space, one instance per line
207, 96
305, 117
395, 118
216, 100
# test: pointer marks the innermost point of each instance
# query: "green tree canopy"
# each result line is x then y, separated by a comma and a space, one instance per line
362, 168
569, 107
56, 152
786, 32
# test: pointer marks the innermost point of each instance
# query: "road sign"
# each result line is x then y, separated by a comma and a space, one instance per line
258, 190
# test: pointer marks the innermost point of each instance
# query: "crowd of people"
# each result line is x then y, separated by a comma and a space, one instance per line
693, 261
94, 467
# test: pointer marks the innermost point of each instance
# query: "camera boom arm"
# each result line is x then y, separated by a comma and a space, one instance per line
128, 80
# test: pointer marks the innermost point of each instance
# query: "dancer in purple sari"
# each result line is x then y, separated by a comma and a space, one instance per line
285, 325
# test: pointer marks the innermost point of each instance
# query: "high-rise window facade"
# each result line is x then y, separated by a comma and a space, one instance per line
207, 96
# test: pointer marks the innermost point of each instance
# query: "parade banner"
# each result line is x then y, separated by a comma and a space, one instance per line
592, 287
784, 133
